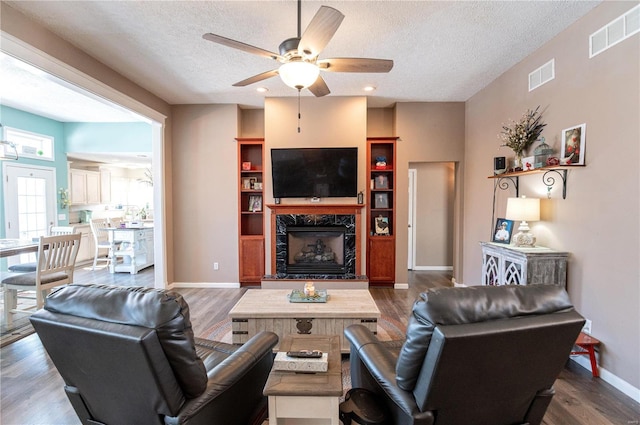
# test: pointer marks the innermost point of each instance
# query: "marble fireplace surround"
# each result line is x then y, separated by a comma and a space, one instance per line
318, 215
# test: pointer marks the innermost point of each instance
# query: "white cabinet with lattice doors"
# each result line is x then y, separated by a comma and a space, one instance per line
509, 265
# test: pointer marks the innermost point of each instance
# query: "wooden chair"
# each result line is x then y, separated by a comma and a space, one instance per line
100, 240
56, 262
53, 231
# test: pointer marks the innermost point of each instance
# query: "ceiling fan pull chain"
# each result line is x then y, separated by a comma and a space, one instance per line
298, 110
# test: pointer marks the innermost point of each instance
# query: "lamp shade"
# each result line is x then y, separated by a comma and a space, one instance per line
299, 74
523, 209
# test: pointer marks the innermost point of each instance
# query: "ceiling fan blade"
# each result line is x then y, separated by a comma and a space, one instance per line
355, 65
257, 78
241, 46
319, 88
322, 27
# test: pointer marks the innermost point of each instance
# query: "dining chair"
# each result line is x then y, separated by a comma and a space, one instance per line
56, 262
100, 240
31, 266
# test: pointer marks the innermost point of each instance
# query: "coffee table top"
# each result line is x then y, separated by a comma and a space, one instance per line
327, 384
272, 303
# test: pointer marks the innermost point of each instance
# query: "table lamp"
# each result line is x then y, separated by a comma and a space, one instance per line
523, 209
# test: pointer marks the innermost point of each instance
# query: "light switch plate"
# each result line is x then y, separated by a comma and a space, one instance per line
62, 216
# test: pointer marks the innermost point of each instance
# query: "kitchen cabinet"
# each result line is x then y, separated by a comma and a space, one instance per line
87, 245
84, 187
105, 186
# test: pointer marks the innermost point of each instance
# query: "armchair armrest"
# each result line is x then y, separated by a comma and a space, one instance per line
373, 367
237, 381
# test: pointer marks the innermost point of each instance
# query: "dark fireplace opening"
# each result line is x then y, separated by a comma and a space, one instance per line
315, 249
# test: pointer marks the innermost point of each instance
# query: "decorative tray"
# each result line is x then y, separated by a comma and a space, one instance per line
298, 296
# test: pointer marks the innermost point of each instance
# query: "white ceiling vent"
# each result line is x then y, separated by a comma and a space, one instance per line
615, 31
544, 74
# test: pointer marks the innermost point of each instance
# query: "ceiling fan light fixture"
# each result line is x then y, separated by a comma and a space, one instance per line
369, 88
299, 74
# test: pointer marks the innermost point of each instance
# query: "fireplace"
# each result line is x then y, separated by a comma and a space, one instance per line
315, 249
324, 239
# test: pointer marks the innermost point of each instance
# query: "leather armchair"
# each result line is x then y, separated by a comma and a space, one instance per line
481, 355
128, 356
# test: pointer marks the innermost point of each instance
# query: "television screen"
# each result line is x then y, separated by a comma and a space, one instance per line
314, 172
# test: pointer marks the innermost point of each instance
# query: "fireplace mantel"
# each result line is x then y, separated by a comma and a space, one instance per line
315, 208
318, 209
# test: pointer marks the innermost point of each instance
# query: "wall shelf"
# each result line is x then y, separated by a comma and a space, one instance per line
549, 178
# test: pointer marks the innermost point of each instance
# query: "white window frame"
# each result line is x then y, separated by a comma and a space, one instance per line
28, 143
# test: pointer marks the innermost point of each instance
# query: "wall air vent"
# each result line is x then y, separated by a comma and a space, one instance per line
615, 31
544, 74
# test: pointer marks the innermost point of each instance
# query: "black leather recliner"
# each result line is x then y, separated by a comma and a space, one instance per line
479, 355
128, 356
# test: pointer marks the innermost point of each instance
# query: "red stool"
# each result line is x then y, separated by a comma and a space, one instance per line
587, 342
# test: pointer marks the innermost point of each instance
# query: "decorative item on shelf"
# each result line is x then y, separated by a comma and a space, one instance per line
382, 226
257, 186
246, 166
521, 134
64, 198
381, 182
553, 161
573, 144
499, 165
523, 209
360, 198
255, 203
541, 153
381, 163
381, 200
528, 163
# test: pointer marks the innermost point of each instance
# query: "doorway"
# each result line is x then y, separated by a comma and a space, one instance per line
431, 216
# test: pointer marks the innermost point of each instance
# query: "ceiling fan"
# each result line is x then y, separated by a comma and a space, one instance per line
301, 67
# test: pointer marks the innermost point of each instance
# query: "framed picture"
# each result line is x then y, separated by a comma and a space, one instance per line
255, 203
246, 166
573, 144
381, 200
381, 182
252, 182
257, 185
528, 163
382, 226
503, 230
246, 183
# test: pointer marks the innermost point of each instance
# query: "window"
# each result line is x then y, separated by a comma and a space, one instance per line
30, 145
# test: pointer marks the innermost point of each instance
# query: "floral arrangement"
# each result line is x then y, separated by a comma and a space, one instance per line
521, 134
64, 198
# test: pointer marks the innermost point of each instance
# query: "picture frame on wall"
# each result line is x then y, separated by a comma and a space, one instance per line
381, 181
503, 231
573, 144
381, 200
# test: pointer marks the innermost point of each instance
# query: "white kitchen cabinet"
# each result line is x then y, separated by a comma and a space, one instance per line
87, 246
509, 265
105, 186
84, 186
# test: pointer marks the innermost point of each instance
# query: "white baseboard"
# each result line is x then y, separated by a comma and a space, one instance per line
216, 285
618, 383
400, 286
432, 268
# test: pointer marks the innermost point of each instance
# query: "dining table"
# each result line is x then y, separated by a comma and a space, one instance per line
11, 247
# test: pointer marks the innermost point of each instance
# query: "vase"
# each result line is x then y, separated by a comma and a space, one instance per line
517, 162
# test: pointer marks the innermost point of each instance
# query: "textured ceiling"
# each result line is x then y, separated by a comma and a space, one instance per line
442, 50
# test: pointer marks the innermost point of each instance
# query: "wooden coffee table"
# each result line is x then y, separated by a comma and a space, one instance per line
306, 398
270, 310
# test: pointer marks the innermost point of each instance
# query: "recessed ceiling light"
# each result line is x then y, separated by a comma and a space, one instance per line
262, 89
369, 88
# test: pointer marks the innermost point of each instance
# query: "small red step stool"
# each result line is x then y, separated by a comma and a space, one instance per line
588, 342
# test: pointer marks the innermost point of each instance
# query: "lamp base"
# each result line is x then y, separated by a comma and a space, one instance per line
525, 240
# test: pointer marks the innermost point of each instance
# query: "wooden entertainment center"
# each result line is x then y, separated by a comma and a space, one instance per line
379, 208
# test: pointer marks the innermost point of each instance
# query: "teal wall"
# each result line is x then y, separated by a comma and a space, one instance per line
15, 118
107, 137
77, 138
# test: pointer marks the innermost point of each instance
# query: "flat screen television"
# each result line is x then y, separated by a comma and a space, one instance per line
314, 172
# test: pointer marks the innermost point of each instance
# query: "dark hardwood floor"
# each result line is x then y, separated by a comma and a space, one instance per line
32, 391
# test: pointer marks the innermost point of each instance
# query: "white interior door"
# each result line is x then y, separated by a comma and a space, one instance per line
30, 202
